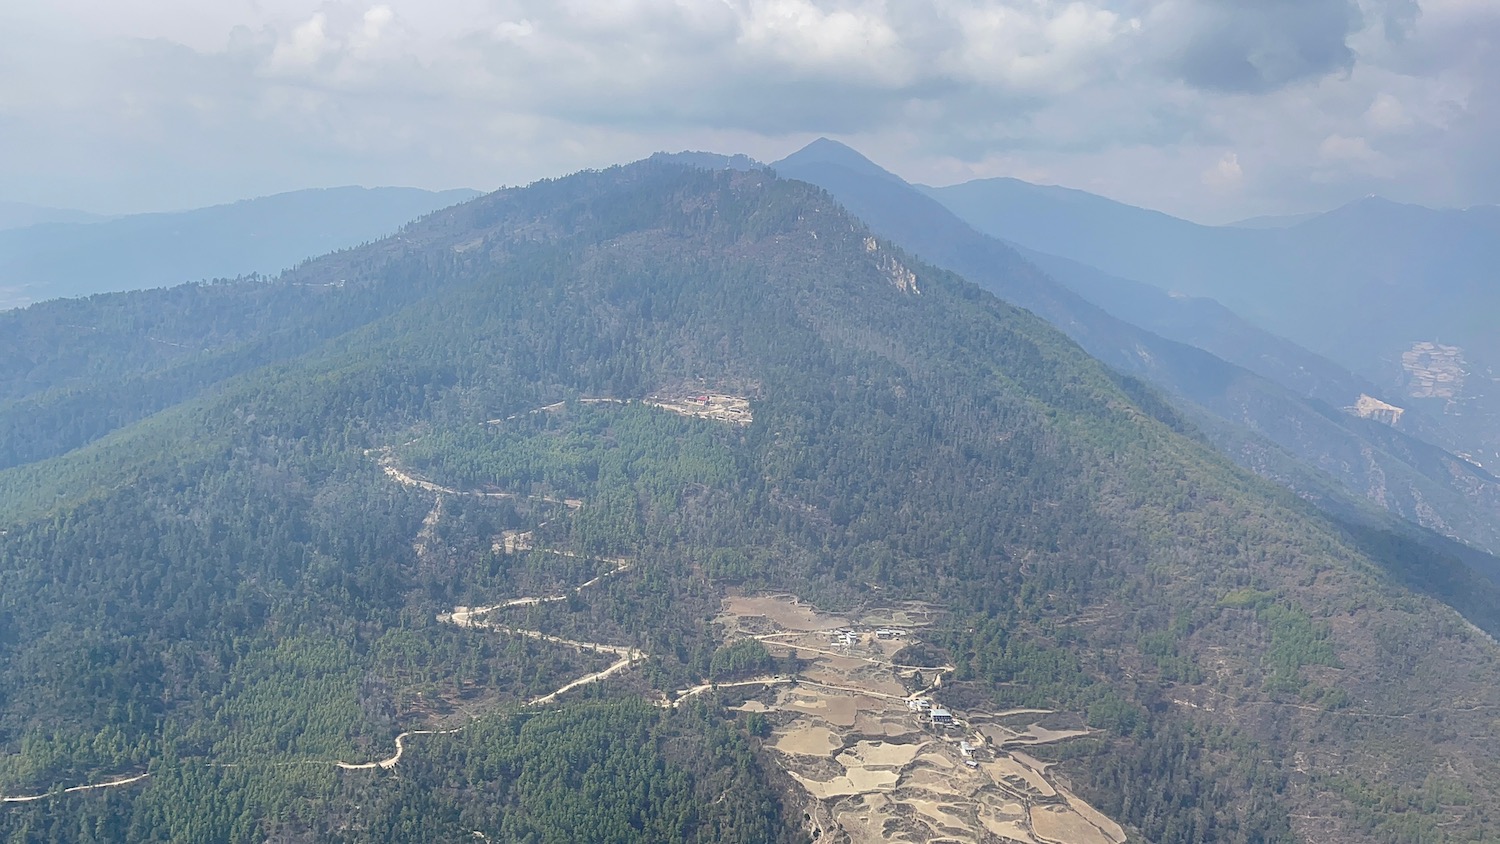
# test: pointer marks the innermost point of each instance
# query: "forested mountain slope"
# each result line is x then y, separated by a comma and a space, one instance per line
264, 235
1277, 397
255, 595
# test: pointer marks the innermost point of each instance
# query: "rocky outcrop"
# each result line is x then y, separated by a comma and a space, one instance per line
1369, 407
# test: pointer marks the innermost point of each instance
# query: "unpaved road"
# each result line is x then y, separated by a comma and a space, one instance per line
462, 617
465, 617
469, 616
76, 789
699, 689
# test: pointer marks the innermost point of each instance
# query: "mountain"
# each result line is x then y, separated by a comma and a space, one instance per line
1096, 231
708, 160
661, 504
1279, 221
1397, 293
264, 236
1277, 396
1208, 325
14, 215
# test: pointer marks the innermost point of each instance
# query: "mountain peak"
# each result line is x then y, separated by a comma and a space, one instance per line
828, 151
708, 160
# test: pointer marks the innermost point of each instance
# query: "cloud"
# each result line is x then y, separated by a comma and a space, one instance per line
1340, 148
1213, 108
1254, 47
1386, 114
798, 34
1226, 174
304, 49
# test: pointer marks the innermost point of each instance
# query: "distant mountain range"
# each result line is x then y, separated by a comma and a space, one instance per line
15, 215
64, 253
1270, 404
1403, 295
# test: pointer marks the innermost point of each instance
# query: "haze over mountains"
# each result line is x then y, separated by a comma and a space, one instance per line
518, 494
1280, 401
1451, 408
56, 254
1403, 295
14, 215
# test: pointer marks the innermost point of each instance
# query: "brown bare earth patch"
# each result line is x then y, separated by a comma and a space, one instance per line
784, 611
808, 740
1061, 823
871, 763
719, 407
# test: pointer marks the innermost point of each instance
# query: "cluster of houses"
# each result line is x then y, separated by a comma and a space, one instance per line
848, 638
939, 717
923, 706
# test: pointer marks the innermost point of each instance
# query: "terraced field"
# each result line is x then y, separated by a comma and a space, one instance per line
858, 733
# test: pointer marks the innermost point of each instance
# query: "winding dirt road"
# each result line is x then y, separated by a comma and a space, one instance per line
699, 689
468, 617
76, 789
462, 617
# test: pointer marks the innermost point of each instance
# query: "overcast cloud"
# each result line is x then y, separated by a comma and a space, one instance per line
1211, 109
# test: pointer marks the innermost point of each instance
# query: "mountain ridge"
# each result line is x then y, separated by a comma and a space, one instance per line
15, 215
1373, 285
267, 592
1371, 463
254, 236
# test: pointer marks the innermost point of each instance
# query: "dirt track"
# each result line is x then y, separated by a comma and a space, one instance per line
468, 617
76, 789
462, 617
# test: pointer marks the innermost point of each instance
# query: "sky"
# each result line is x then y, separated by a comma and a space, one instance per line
1213, 110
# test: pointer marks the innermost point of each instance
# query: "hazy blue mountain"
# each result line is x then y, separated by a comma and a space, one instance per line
1120, 239
14, 215
264, 236
1401, 294
1274, 221
1275, 394
1208, 325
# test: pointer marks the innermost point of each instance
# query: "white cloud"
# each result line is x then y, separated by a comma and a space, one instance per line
303, 48
1339, 148
514, 31
1226, 174
1386, 114
1213, 108
1036, 47
376, 21
799, 34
